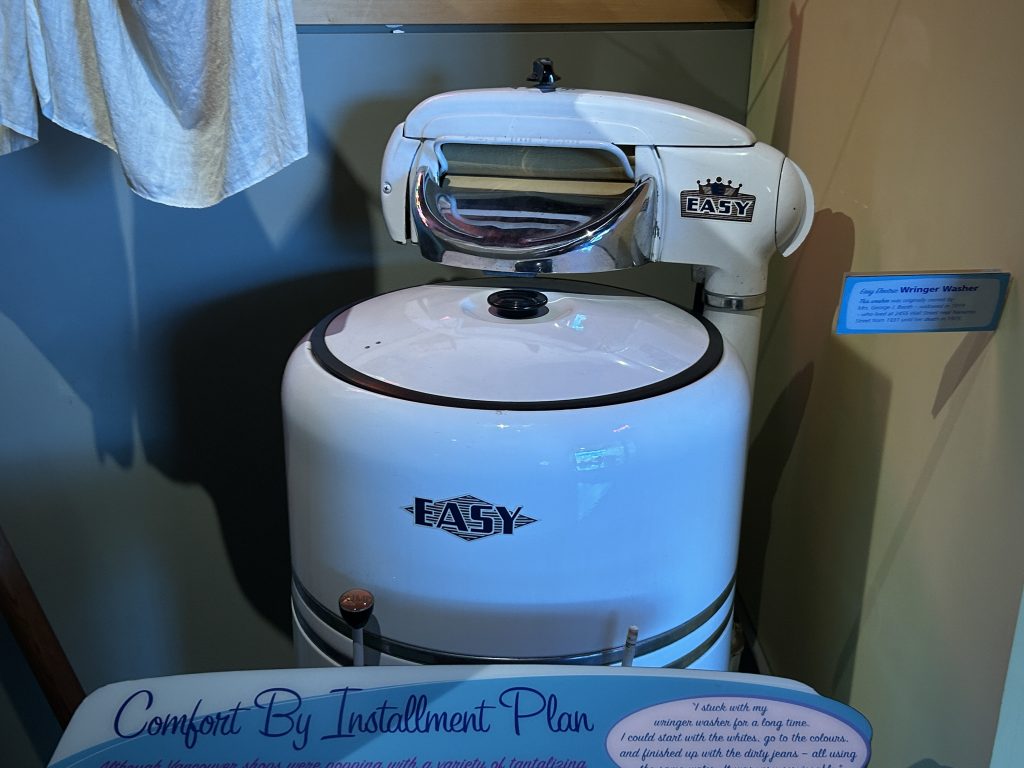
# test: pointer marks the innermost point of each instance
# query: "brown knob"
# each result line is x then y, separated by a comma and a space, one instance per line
356, 606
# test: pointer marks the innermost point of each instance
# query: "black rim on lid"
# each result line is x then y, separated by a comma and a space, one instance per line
702, 367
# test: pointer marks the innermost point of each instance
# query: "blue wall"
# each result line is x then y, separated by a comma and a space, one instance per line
141, 465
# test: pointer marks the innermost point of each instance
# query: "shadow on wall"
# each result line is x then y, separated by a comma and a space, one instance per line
179, 321
63, 272
226, 360
803, 588
824, 566
803, 325
786, 96
958, 366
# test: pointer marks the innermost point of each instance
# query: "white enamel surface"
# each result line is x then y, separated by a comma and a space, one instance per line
394, 182
503, 115
795, 209
442, 340
743, 331
738, 252
637, 508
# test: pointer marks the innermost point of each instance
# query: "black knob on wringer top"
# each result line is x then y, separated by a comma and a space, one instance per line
544, 75
356, 607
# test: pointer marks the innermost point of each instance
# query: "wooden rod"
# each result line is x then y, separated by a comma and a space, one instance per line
358, 12
35, 636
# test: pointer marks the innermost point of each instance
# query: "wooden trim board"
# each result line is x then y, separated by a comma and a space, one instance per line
362, 12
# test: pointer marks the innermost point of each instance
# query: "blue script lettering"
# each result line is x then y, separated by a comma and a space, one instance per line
415, 716
341, 733
283, 718
129, 721
527, 703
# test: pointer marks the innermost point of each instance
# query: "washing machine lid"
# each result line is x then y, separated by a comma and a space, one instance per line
517, 344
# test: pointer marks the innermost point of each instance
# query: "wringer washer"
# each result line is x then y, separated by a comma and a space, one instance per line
521, 467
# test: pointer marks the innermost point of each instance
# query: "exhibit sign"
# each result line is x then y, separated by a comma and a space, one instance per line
921, 302
464, 717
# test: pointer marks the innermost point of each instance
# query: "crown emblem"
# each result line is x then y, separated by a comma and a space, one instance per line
717, 200
718, 187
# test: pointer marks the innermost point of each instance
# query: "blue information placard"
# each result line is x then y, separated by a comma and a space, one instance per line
921, 302
473, 717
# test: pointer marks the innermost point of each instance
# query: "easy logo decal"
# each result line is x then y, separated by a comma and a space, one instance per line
468, 517
718, 200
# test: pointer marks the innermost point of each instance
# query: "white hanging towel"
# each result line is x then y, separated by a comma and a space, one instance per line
199, 98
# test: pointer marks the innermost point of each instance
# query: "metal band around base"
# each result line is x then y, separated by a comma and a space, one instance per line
733, 303
420, 655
